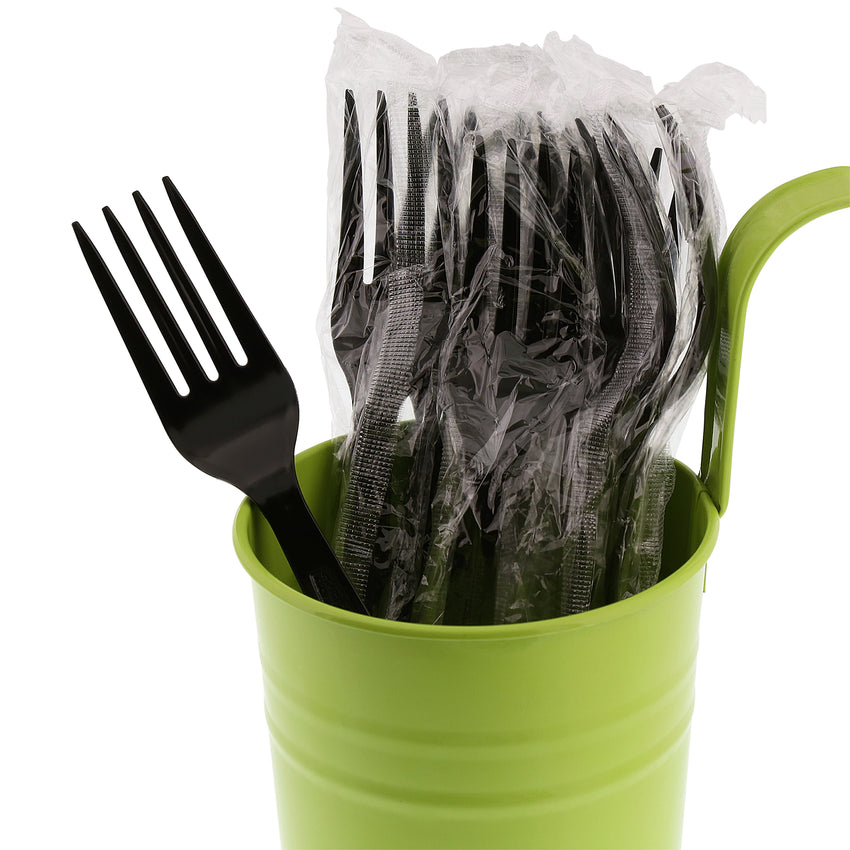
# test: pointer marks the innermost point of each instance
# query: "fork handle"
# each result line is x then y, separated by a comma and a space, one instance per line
308, 552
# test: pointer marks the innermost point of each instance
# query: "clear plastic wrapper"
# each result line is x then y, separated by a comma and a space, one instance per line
521, 300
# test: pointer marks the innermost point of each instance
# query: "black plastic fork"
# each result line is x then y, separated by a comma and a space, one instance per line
239, 427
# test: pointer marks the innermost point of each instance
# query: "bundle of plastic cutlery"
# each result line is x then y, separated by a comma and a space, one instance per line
520, 304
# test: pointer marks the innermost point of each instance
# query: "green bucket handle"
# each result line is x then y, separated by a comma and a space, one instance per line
773, 218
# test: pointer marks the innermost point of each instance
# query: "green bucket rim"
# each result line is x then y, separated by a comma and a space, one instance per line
624, 608
753, 240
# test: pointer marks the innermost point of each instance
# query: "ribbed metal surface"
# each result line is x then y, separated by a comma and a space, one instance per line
404, 779
568, 733
523, 778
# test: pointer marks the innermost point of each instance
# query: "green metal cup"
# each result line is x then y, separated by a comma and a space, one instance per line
568, 733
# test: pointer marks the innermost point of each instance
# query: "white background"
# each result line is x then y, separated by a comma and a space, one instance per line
130, 688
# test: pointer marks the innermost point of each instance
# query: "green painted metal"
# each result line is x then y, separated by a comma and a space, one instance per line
757, 235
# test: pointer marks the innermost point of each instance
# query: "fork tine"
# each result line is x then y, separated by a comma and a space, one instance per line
207, 328
159, 386
577, 189
180, 348
557, 190
349, 273
540, 297
445, 168
245, 326
506, 313
441, 249
673, 216
474, 278
384, 207
655, 162
479, 220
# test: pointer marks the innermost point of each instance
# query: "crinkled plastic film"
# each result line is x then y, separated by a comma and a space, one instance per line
521, 300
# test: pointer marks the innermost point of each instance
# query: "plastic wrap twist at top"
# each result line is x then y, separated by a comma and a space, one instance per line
521, 298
